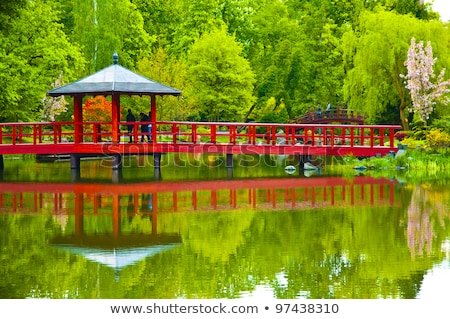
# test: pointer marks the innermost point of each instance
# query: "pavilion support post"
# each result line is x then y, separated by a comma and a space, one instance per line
229, 160
115, 118
2, 164
78, 118
153, 116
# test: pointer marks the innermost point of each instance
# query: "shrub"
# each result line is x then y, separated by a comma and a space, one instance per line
436, 138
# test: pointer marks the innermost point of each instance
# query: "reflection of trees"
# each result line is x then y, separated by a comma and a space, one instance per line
426, 213
351, 252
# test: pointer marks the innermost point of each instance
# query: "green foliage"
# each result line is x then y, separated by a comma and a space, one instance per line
273, 113
442, 124
32, 55
222, 81
104, 26
436, 139
169, 71
301, 52
374, 57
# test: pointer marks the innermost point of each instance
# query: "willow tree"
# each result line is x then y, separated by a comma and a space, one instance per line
222, 80
374, 57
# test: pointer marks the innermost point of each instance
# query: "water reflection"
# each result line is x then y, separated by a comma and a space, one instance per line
151, 197
317, 237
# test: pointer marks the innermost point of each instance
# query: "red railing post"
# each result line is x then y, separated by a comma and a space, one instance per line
371, 136
34, 134
332, 136
55, 133
362, 136
20, 134
391, 137
232, 130
268, 133
381, 136
94, 133
174, 133
352, 142
213, 132
40, 133
194, 133
13, 135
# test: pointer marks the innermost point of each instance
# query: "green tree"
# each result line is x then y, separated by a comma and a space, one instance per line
168, 71
222, 81
32, 55
374, 57
101, 27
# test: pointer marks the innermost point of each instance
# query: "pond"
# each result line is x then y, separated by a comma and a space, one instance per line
200, 230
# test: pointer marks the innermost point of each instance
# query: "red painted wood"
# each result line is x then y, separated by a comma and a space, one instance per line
68, 137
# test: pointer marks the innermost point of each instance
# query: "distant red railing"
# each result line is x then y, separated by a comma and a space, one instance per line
333, 115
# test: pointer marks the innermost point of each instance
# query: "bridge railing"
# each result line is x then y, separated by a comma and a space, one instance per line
332, 115
277, 134
202, 132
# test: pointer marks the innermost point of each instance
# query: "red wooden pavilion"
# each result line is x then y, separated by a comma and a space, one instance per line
114, 80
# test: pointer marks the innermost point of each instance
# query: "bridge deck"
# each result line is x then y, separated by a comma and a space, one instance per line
199, 137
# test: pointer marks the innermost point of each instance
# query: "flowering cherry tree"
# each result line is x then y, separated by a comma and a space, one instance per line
53, 106
424, 93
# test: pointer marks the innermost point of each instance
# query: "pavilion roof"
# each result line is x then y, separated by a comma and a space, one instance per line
114, 79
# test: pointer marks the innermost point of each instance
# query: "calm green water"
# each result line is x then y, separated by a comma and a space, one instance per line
201, 231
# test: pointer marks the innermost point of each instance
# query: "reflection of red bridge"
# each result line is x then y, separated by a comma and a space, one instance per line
159, 197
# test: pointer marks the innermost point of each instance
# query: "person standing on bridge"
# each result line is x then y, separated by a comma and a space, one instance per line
319, 111
130, 125
144, 127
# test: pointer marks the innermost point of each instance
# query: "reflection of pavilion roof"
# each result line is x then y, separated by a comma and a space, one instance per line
117, 252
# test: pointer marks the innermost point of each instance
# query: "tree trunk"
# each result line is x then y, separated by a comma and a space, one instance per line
403, 117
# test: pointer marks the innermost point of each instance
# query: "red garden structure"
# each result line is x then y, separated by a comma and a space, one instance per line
69, 138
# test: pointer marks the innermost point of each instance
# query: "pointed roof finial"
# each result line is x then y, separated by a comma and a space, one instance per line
115, 58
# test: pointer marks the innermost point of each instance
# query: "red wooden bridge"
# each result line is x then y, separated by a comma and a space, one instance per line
333, 115
81, 138
96, 138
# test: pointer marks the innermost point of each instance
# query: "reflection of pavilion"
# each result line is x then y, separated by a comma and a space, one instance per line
117, 252
117, 249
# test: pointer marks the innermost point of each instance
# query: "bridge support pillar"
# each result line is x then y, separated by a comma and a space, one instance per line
229, 172
75, 161
2, 164
229, 160
117, 162
302, 159
157, 160
117, 176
